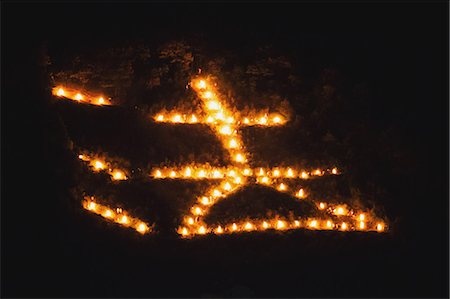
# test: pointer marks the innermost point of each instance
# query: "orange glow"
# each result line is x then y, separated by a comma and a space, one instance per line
212, 105
362, 225
313, 224
290, 173
322, 206
201, 84
219, 230
340, 211
329, 224
225, 130
265, 225
202, 230
281, 224
276, 173
362, 217
282, 187
119, 175
300, 193
142, 228
190, 221
234, 227
304, 175
248, 226
98, 165
60, 92
334, 171
233, 143
176, 118
380, 227
79, 97
344, 226
240, 158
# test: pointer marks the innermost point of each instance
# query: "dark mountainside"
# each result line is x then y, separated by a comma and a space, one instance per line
360, 98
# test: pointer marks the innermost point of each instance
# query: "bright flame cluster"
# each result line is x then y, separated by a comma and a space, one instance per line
99, 164
80, 96
226, 124
116, 215
202, 171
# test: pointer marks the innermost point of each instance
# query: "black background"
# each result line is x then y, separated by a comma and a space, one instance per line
48, 253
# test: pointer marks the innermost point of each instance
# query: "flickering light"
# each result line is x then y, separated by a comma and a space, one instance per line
238, 180
118, 175
227, 186
380, 227
176, 118
193, 119
173, 174
230, 119
219, 230
240, 158
81, 157
202, 230
246, 121
201, 174
263, 120
281, 224
329, 224
282, 187
322, 206
217, 174
204, 200
233, 143
339, 211
248, 226
217, 193
190, 221
300, 193
297, 223
313, 224
247, 172
159, 117
209, 95
265, 180
265, 225
158, 173
290, 173
213, 105
210, 119
108, 214
124, 219
142, 228
60, 92
219, 115
362, 217
304, 175
92, 206
261, 172
187, 172
232, 173
277, 119
184, 231
98, 165
201, 84
276, 173
362, 225
197, 211
101, 101
318, 172
78, 97
344, 226
234, 227
225, 130
334, 171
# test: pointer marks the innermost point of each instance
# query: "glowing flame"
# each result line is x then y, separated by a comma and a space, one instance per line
282, 187
78, 97
380, 227
300, 193
202, 230
219, 230
344, 226
60, 92
334, 171
290, 173
212, 105
322, 205
248, 226
225, 130
233, 143
201, 84
281, 224
265, 225
142, 228
313, 224
118, 175
304, 175
98, 165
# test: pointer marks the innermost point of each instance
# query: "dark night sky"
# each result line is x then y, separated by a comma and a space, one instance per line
401, 49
